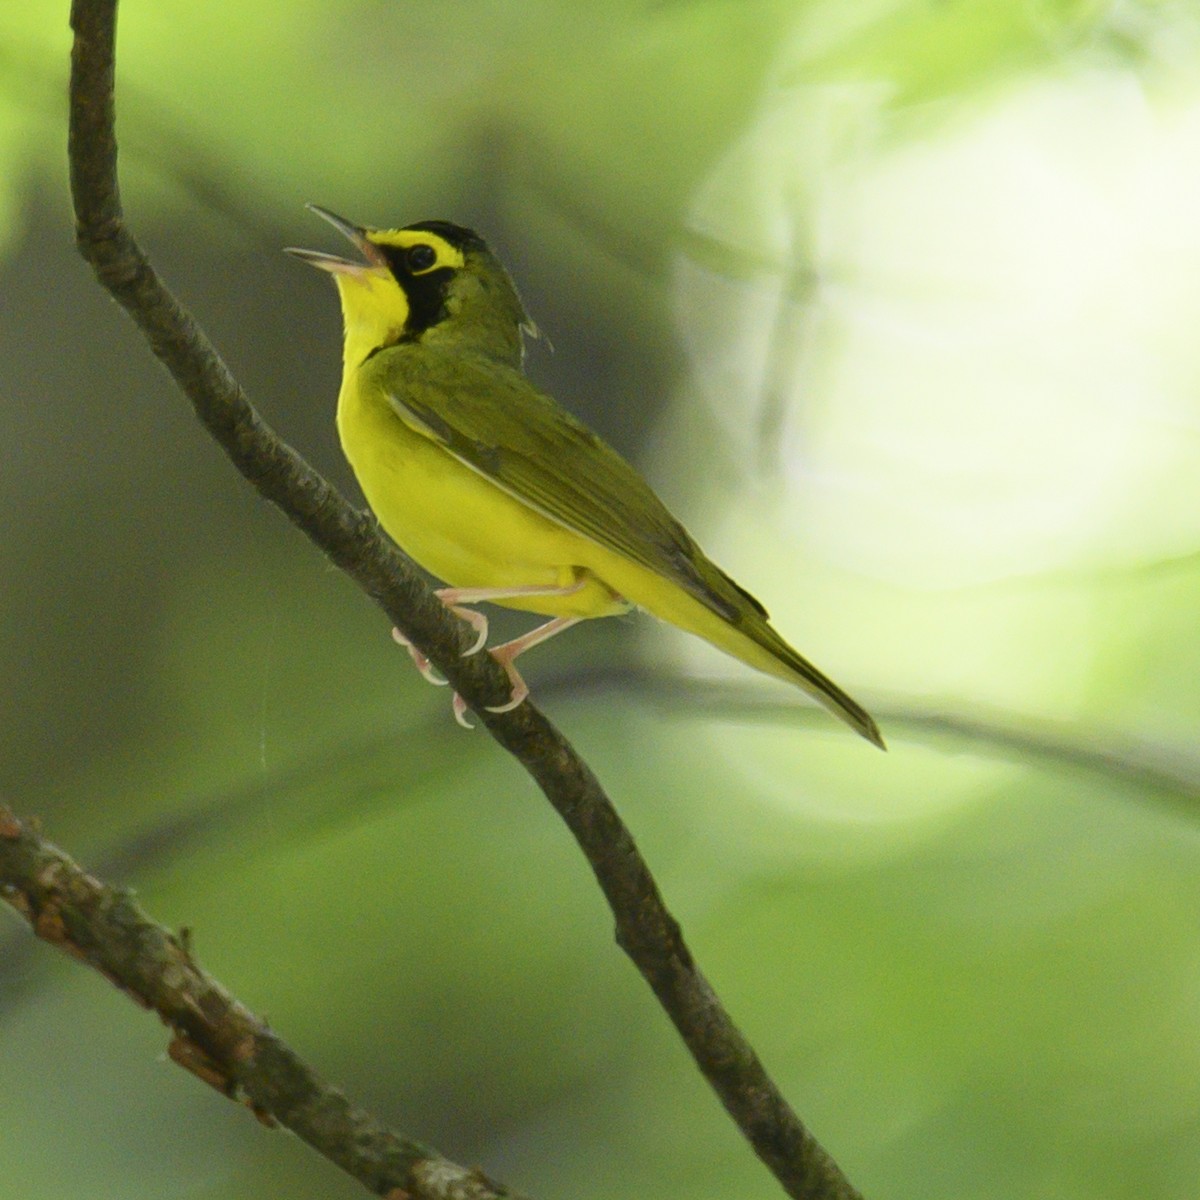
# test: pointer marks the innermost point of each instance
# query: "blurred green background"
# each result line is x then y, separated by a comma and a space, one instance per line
896, 305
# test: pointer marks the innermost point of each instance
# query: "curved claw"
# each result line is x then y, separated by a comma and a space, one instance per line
428, 671
423, 665
520, 692
477, 621
460, 712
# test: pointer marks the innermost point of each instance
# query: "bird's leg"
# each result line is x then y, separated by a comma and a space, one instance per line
456, 599
475, 619
505, 654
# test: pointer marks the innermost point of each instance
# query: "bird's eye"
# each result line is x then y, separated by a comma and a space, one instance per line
420, 258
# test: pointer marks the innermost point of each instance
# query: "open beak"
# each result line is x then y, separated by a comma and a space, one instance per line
331, 262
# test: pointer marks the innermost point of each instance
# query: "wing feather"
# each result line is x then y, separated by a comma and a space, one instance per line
494, 421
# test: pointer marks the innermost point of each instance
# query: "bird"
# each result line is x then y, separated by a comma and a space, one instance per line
495, 488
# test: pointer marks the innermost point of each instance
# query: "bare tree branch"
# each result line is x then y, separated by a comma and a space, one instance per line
216, 1037
645, 929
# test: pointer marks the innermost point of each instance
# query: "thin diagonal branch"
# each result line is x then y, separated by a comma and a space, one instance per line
645, 929
215, 1036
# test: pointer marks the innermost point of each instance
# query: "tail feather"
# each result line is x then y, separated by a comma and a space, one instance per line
712, 606
790, 665
751, 639
749, 622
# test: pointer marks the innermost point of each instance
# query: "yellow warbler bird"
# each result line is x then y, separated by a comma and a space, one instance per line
496, 489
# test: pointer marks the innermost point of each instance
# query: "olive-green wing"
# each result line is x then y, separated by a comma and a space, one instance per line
493, 420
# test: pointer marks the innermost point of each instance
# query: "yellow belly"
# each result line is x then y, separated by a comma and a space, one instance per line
461, 527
